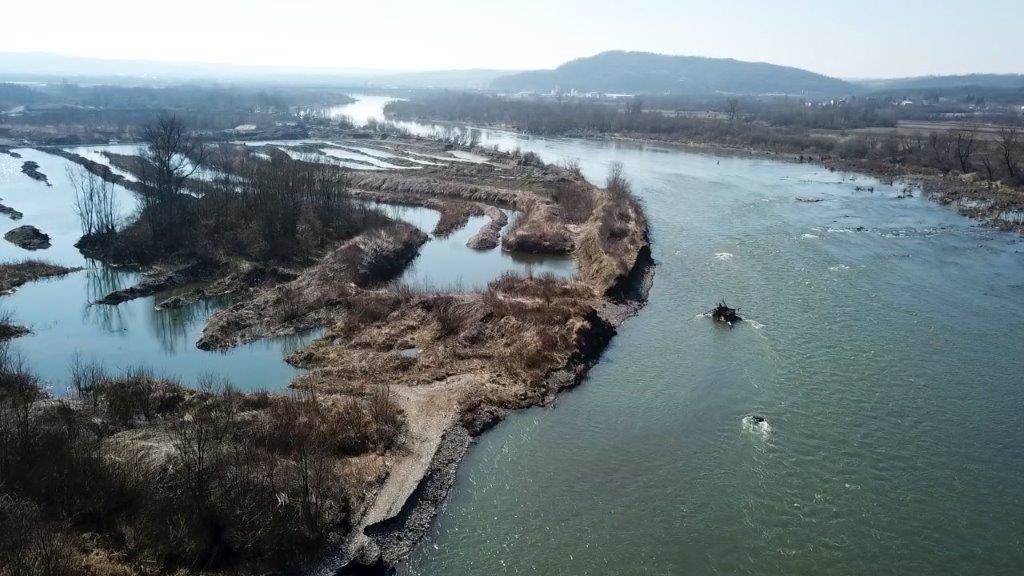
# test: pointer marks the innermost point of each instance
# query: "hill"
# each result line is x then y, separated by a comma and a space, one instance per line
647, 73
991, 81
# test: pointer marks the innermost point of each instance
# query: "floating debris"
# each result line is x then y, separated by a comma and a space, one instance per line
722, 313
757, 424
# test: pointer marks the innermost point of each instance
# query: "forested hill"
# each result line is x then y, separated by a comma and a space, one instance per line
647, 73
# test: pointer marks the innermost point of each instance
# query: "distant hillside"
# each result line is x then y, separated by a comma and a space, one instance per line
996, 81
51, 67
643, 72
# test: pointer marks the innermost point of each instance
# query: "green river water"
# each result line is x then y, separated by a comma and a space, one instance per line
884, 345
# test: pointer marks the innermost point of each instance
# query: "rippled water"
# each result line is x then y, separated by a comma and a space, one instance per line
883, 344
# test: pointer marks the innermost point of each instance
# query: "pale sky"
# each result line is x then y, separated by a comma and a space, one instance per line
843, 38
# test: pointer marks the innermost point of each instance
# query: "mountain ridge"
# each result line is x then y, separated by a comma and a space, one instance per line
647, 72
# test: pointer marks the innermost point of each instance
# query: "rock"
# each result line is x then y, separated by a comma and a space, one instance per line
722, 313
28, 237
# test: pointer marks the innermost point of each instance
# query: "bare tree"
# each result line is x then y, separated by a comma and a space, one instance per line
965, 147
941, 146
170, 155
635, 106
732, 108
95, 202
1010, 150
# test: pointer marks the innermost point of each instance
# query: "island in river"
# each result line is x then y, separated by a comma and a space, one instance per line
348, 471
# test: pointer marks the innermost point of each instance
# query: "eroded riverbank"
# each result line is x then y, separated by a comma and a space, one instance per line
436, 358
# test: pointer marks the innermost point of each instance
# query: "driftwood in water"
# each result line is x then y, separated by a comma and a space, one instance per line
722, 313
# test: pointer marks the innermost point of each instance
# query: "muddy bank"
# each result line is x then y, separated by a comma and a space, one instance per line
9, 330
489, 236
388, 542
160, 280
315, 297
101, 170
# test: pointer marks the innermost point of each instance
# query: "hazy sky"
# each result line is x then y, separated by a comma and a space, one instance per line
845, 38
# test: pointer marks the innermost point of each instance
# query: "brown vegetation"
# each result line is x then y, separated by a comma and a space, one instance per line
16, 273
206, 480
138, 475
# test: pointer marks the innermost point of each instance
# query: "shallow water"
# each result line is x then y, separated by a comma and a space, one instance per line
882, 344
448, 263
64, 321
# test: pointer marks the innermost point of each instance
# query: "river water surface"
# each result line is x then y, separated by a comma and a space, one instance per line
884, 345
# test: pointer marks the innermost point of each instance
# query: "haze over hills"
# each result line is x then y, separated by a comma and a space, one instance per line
608, 72
995, 81
645, 72
40, 65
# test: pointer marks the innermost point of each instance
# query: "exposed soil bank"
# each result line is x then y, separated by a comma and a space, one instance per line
390, 541
159, 280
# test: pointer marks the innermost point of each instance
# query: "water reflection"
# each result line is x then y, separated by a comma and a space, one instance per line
98, 283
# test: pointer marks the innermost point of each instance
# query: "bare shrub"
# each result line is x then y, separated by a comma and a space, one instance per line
387, 417
449, 316
86, 377
95, 203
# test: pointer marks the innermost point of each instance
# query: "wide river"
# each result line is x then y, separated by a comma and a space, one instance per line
883, 343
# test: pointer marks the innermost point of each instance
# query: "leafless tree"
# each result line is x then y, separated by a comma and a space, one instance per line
95, 202
732, 109
635, 106
1010, 146
965, 147
170, 155
941, 147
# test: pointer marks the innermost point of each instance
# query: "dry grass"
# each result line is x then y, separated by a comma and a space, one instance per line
143, 474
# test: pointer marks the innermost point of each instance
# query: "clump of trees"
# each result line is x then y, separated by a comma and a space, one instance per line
136, 470
280, 210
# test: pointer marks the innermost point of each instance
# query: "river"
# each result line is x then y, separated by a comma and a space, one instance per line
882, 343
